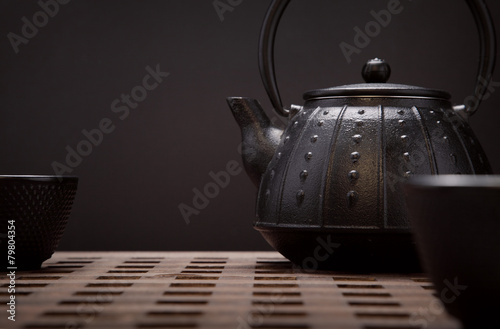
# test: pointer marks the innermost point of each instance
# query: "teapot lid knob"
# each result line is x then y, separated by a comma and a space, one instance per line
376, 71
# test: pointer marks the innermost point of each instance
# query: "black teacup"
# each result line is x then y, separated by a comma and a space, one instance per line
456, 222
34, 211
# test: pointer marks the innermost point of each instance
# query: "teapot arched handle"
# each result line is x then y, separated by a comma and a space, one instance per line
487, 54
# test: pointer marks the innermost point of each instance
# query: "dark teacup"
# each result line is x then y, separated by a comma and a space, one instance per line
456, 222
34, 211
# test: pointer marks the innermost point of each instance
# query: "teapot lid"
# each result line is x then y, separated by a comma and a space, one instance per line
375, 73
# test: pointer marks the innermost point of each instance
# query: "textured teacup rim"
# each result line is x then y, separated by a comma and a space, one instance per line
455, 181
38, 178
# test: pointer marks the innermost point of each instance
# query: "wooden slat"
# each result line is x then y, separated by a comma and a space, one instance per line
213, 290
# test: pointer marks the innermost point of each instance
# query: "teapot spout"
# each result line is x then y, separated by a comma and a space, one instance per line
260, 136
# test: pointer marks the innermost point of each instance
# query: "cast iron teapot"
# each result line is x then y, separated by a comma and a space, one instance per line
330, 194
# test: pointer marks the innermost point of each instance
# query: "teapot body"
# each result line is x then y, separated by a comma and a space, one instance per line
330, 184
336, 176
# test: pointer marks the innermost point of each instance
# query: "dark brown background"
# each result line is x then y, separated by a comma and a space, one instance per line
66, 77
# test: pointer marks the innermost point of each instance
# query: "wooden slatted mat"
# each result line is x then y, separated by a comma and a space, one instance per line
244, 290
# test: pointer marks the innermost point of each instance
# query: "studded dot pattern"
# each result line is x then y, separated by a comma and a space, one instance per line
349, 162
41, 210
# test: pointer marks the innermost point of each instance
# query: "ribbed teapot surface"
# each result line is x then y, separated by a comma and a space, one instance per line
341, 162
331, 182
